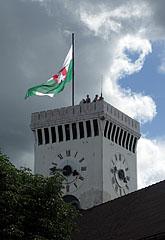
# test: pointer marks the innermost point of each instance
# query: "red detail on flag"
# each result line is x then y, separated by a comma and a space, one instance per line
55, 77
63, 72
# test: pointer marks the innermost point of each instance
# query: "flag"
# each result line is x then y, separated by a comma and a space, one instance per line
55, 84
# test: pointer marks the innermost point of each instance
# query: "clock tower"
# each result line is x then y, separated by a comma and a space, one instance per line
95, 146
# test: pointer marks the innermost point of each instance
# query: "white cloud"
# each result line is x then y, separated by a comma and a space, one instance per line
118, 21
122, 64
151, 161
104, 22
100, 24
131, 10
136, 105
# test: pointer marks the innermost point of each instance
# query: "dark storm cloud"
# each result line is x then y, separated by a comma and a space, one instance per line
27, 40
33, 46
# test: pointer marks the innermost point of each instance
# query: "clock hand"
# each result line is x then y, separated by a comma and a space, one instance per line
75, 173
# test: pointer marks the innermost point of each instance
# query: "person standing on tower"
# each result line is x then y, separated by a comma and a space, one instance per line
96, 98
88, 100
82, 101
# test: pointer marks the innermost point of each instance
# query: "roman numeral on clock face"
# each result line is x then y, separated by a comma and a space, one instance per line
68, 153
120, 192
83, 168
75, 185
116, 187
81, 178
60, 156
113, 180
128, 178
67, 188
112, 170
75, 154
81, 160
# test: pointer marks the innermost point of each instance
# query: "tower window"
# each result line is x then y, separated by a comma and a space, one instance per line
81, 128
39, 132
46, 133
113, 132
130, 144
53, 132
60, 133
96, 128
109, 130
134, 144
74, 130
127, 141
105, 129
124, 137
67, 132
117, 134
120, 136
88, 126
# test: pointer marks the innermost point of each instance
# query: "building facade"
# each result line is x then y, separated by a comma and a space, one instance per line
95, 146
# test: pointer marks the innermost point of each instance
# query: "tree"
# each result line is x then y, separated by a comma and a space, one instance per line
31, 206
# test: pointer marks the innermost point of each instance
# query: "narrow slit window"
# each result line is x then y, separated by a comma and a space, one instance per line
39, 133
134, 145
127, 141
46, 133
81, 128
53, 132
74, 130
124, 137
120, 136
96, 127
130, 143
109, 130
67, 132
113, 132
60, 133
117, 135
105, 129
88, 126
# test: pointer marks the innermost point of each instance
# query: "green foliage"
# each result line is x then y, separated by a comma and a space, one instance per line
31, 206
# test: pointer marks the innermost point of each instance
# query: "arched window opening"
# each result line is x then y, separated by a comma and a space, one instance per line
46, 133
39, 133
95, 127
60, 133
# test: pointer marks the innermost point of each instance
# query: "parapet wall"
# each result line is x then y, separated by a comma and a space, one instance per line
83, 111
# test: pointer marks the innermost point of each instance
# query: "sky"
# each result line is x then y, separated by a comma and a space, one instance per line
123, 41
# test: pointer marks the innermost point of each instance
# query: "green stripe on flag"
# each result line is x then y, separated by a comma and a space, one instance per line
51, 87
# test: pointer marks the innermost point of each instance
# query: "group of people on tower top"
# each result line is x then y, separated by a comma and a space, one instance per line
88, 100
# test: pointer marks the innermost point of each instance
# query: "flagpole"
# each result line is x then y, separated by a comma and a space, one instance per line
73, 69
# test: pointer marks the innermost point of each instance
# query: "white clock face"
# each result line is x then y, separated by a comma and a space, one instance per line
119, 172
74, 168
